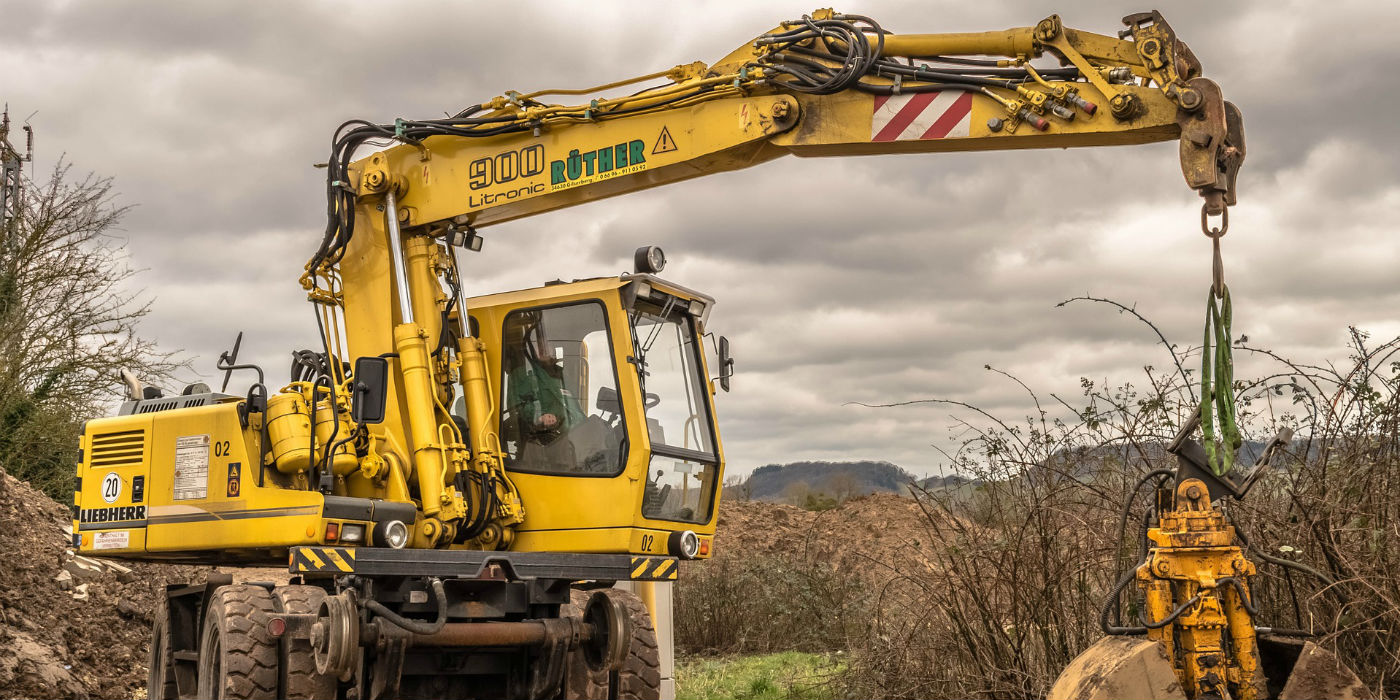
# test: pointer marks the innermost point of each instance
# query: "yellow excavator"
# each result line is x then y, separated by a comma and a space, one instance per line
489, 496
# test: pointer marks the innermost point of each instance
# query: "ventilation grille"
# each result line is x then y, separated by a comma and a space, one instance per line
149, 406
122, 449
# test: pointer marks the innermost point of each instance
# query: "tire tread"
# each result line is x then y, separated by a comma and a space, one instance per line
300, 681
250, 653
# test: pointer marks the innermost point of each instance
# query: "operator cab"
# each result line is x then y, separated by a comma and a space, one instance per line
606, 416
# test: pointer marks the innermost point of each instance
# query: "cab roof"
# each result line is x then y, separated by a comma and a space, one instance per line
585, 286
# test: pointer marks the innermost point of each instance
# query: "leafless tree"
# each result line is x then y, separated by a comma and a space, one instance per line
737, 488
68, 324
842, 486
796, 492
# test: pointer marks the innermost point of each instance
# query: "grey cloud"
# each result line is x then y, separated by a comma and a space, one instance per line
864, 279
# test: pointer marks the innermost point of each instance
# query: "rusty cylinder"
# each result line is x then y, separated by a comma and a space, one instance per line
484, 634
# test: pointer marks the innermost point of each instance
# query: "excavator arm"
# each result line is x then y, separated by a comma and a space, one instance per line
826, 85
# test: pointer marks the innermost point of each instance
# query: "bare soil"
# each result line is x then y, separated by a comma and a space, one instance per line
880, 533
51, 645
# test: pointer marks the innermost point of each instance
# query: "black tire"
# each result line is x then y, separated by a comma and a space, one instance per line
160, 662
640, 675
300, 681
237, 653
581, 682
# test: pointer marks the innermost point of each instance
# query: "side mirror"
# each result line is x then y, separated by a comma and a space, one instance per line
726, 363
371, 388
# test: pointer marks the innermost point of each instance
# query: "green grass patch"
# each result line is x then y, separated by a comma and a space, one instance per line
789, 675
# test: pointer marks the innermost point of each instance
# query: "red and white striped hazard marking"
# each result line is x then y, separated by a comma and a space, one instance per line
925, 115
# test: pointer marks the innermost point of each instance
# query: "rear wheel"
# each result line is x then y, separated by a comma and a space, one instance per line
160, 662
237, 653
300, 681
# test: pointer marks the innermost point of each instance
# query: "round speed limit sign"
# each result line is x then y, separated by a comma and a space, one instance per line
111, 487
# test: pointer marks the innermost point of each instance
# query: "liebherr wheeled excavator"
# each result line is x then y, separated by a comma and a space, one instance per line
488, 496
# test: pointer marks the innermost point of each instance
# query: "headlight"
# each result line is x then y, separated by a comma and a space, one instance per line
649, 259
684, 544
391, 534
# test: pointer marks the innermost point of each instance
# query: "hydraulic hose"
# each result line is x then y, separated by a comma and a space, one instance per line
416, 626
1110, 605
1171, 617
1304, 568
1112, 602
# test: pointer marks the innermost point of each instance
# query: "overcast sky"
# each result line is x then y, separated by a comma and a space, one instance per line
872, 279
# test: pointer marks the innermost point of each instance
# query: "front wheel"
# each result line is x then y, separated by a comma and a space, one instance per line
639, 678
237, 655
640, 675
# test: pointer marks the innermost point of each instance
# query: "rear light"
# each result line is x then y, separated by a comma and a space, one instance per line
332, 532
704, 548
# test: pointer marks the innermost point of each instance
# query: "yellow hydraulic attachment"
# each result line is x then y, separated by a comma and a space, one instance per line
1201, 637
1196, 586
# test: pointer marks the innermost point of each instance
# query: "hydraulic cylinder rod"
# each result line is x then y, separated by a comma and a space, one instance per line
1009, 43
396, 261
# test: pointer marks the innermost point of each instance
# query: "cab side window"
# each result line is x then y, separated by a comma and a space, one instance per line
560, 412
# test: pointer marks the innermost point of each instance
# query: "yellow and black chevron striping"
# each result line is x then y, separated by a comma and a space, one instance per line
654, 569
323, 559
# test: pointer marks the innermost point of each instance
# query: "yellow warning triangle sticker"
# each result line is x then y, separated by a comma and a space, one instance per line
664, 143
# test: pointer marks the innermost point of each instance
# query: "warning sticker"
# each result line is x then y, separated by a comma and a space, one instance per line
234, 480
191, 467
664, 142
112, 539
945, 114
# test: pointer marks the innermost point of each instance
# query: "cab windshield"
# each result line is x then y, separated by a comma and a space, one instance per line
560, 412
681, 477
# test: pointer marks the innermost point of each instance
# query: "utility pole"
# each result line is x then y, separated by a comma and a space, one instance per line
12, 169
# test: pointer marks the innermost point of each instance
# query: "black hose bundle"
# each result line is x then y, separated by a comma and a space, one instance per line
1111, 602
822, 57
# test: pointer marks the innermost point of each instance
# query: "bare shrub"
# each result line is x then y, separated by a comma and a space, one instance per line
742, 603
1020, 560
1021, 566
1336, 510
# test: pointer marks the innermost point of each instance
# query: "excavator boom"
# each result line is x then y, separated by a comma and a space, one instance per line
826, 85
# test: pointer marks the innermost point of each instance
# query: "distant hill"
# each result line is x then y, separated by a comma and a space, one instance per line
952, 481
841, 480
833, 482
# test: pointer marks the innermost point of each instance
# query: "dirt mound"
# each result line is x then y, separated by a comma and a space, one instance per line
879, 531
66, 635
